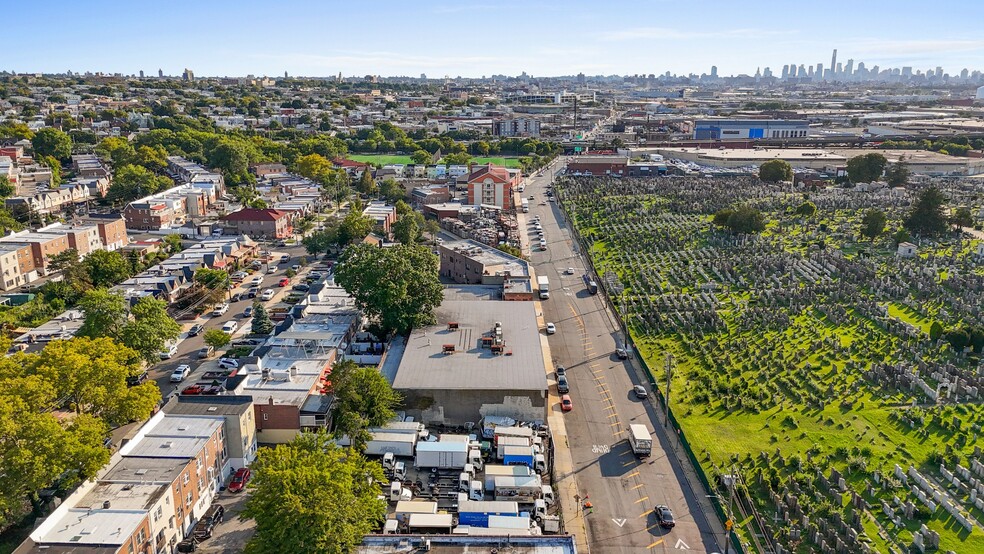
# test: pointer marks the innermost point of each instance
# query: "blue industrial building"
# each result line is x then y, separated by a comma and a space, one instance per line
736, 129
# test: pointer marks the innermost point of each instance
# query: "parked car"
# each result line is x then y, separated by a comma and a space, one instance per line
258, 280
561, 371
248, 312
621, 352
228, 363
565, 403
283, 282
206, 352
237, 297
267, 295
295, 267
230, 327
247, 342
252, 292
189, 544
551, 328
196, 330
562, 385
256, 264
570, 271
301, 287
664, 516
212, 517
313, 276
170, 350
285, 258
180, 373
239, 480
272, 269
220, 309
134, 380
640, 391
238, 276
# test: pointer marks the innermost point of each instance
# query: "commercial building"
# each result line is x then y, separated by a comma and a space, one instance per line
490, 185
729, 129
808, 158
470, 262
598, 165
466, 367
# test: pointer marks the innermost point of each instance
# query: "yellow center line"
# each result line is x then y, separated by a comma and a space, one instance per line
646, 513
629, 463
657, 543
638, 486
643, 499
633, 474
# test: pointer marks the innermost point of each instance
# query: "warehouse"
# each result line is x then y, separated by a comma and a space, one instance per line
465, 367
733, 129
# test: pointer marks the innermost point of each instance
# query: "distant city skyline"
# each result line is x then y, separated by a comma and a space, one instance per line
545, 38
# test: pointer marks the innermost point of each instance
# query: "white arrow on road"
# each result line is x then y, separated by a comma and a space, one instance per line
619, 522
680, 545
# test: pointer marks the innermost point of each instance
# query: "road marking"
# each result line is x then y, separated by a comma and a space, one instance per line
619, 522
646, 513
680, 545
614, 424
643, 499
613, 415
627, 464
637, 486
633, 474
657, 543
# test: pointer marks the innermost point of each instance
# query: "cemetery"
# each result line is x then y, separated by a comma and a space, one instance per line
817, 364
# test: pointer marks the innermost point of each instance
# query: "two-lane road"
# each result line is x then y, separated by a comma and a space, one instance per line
621, 489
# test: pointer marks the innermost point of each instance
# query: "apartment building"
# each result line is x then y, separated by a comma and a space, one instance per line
16, 265
518, 127
148, 499
382, 214
490, 185
255, 222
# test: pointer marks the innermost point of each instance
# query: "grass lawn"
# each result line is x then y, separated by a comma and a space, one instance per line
389, 159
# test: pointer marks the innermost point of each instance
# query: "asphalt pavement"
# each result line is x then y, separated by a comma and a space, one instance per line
188, 347
620, 489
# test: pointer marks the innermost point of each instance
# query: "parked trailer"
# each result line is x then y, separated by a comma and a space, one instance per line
442, 454
518, 455
513, 431
507, 440
431, 523
493, 471
400, 444
476, 513
518, 489
407, 427
640, 440
405, 508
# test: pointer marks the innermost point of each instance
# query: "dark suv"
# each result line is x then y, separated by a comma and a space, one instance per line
213, 516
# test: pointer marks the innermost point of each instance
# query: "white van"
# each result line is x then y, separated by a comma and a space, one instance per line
230, 327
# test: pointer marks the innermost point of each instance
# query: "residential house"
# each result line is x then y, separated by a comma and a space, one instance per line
382, 214
256, 222
493, 186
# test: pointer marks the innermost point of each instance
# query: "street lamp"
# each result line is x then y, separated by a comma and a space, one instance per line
668, 363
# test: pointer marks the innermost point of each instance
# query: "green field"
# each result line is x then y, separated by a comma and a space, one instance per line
777, 370
389, 159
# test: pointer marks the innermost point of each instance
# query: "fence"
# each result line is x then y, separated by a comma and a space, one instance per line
708, 490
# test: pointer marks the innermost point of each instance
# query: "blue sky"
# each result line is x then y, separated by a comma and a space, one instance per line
485, 37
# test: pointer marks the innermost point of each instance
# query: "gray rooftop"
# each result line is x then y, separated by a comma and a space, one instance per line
425, 366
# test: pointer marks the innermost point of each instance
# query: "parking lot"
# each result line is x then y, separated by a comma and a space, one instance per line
232, 534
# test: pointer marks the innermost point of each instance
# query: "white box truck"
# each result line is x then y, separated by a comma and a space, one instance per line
526, 205
493, 471
543, 284
640, 440
518, 489
400, 444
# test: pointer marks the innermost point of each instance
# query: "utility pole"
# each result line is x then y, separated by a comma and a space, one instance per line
669, 375
731, 518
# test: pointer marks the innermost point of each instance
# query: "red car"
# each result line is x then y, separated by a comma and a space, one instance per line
565, 403
284, 282
239, 480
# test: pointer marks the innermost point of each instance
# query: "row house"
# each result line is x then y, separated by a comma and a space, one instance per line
382, 214
172, 207
46, 201
150, 496
89, 165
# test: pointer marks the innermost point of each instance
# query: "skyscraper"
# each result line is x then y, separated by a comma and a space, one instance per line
785, 72
818, 74
849, 69
714, 71
160, 73
833, 63
188, 75
141, 74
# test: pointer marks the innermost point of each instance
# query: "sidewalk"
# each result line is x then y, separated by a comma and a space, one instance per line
565, 480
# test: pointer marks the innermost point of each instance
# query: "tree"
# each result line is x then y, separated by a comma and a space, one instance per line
775, 171
363, 399
743, 220
262, 324
216, 338
91, 375
935, 331
105, 314
150, 330
962, 217
131, 182
392, 191
314, 166
52, 142
6, 187
105, 268
117, 150
398, 286
229, 157
432, 228
900, 236
897, 174
153, 158
214, 284
926, 217
353, 228
458, 158
330, 496
873, 223
366, 184
866, 167
409, 226
958, 338
173, 242
63, 260
421, 157
806, 209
